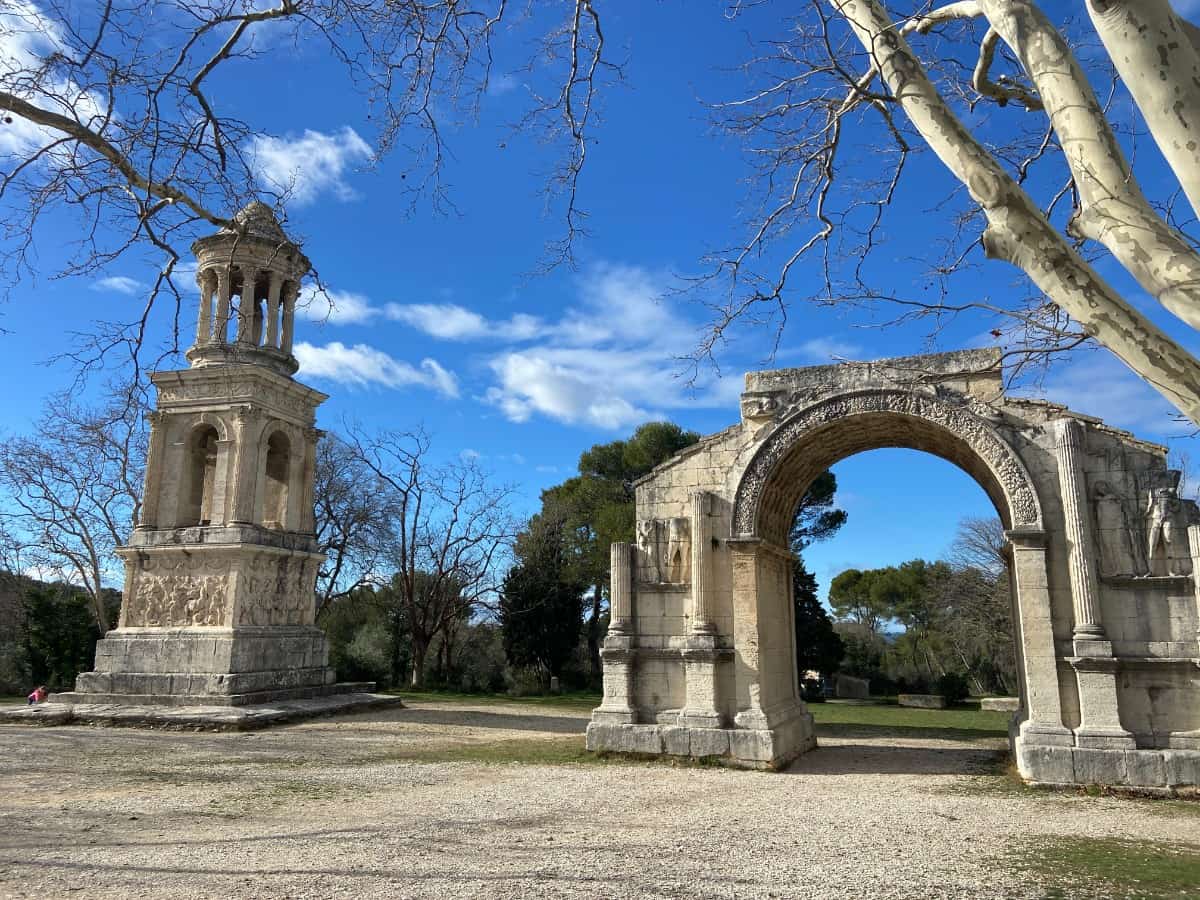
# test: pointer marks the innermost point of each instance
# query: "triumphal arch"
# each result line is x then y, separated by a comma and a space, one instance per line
700, 659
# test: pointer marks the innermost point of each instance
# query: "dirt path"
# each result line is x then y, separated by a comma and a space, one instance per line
362, 807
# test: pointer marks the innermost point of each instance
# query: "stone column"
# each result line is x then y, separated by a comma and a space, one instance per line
702, 622
700, 654
273, 289
152, 496
290, 291
618, 656
1089, 632
1193, 534
243, 469
204, 324
621, 589
305, 519
1035, 633
221, 332
245, 326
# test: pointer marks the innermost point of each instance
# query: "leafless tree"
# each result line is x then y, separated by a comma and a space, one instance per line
112, 112
846, 93
351, 521
449, 530
74, 490
980, 544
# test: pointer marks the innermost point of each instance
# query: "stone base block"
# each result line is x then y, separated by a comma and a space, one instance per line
1000, 704
771, 748
1158, 770
922, 701
209, 667
128, 713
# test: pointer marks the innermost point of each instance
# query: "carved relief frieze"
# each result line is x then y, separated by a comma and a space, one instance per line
955, 417
176, 593
276, 590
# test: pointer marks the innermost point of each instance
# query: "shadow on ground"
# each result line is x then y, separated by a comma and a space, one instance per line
504, 721
861, 730
837, 758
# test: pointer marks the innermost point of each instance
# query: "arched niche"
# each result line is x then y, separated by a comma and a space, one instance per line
201, 452
278, 471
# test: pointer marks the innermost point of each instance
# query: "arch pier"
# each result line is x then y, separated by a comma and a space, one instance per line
700, 659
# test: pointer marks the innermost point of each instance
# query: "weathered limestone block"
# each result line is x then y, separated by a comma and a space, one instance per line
922, 701
1000, 704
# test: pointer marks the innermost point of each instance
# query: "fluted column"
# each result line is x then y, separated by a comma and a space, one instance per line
1069, 434
290, 291
621, 589
221, 332
151, 502
702, 620
273, 289
207, 286
243, 469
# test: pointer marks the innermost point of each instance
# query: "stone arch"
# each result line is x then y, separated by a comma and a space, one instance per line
814, 438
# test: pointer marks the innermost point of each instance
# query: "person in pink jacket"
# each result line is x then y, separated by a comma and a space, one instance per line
38, 696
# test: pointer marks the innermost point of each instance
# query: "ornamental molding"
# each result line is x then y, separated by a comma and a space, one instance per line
952, 415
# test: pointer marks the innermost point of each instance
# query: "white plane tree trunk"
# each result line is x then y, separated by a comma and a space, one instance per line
1017, 230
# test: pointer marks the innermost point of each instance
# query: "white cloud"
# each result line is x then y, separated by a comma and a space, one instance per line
27, 37
1098, 384
450, 322
828, 349
334, 307
310, 165
119, 284
363, 365
470, 455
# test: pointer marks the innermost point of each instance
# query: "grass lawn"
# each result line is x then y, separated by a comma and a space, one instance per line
881, 720
1147, 870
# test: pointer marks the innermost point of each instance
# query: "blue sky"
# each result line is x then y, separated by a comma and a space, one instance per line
437, 319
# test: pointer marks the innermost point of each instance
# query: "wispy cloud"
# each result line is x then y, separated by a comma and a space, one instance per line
1098, 384
310, 165
451, 322
119, 284
334, 307
363, 366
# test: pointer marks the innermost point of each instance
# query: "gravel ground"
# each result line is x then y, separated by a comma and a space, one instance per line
327, 809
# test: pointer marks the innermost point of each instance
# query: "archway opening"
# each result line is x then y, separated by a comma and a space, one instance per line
916, 596
278, 465
201, 461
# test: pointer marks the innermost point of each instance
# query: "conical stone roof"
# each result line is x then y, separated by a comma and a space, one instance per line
259, 220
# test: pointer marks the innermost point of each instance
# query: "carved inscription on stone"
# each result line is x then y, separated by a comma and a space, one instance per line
953, 417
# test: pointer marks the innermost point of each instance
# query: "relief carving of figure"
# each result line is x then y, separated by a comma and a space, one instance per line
1162, 512
679, 550
647, 543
